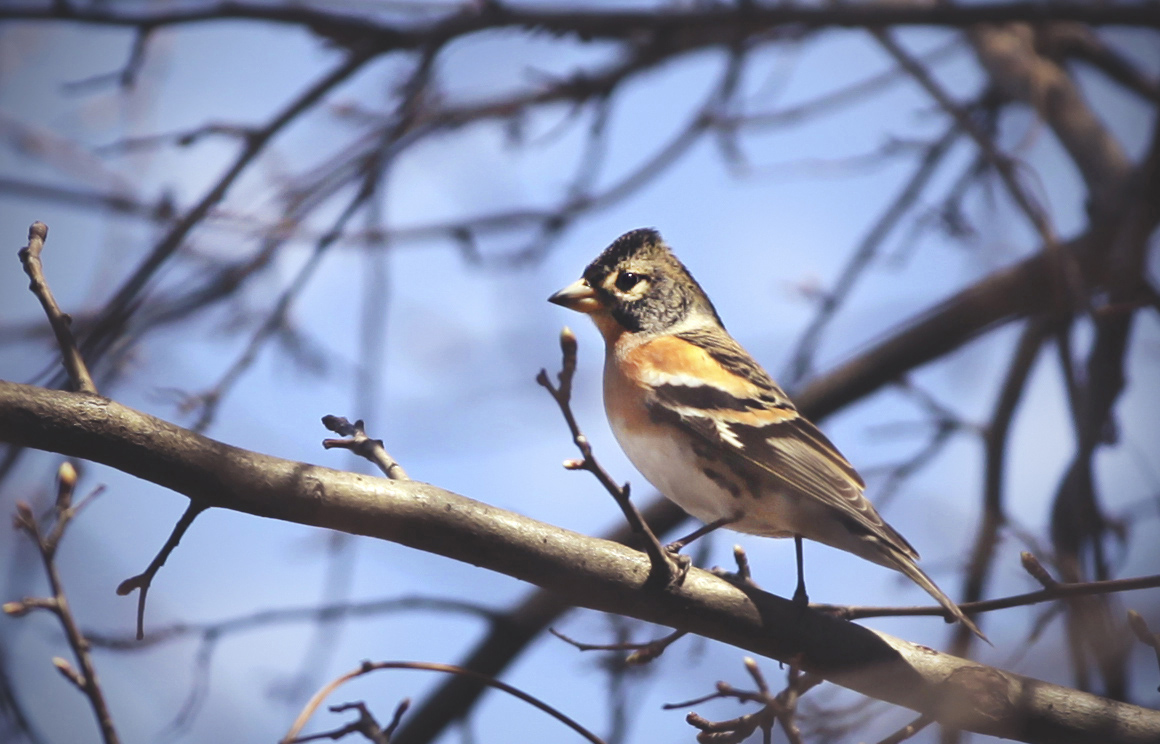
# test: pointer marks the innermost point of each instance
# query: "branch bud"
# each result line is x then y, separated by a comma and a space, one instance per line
697, 721
66, 476
568, 343
66, 669
1141, 629
1032, 566
24, 519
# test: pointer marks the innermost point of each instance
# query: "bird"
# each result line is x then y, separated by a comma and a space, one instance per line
710, 429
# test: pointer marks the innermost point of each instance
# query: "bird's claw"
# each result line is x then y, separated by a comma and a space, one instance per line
679, 565
669, 568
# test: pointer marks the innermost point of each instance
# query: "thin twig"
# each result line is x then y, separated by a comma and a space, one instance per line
369, 167
994, 468
1003, 165
909, 730
276, 319
365, 724
116, 312
85, 679
289, 615
802, 359
1059, 590
642, 653
359, 443
144, 580
367, 667
665, 568
60, 321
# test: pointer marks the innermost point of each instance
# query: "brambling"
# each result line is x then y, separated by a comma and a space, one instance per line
706, 425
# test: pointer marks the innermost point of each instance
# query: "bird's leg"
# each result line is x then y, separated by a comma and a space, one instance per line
705, 529
673, 549
799, 595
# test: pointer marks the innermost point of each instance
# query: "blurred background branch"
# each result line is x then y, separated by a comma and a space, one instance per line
939, 220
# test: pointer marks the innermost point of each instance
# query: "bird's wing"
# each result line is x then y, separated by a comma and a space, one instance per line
749, 422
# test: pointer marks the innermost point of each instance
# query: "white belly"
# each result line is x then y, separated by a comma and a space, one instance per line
672, 469
701, 485
680, 475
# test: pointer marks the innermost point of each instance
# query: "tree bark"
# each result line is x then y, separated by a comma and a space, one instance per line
599, 574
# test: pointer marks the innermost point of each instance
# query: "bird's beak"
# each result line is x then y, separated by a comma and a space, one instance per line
578, 296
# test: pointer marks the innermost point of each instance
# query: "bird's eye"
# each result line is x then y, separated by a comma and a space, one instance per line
626, 280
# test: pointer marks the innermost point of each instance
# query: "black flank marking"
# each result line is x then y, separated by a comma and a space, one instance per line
722, 481
704, 451
753, 485
659, 413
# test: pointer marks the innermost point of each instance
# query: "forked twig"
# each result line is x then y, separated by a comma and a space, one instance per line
367, 667
362, 445
1144, 633
642, 653
780, 708
1053, 590
365, 724
60, 321
84, 678
144, 580
667, 569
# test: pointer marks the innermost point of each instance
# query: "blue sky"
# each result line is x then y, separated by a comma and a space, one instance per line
456, 401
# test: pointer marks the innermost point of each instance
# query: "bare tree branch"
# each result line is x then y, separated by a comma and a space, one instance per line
73, 362
617, 24
995, 455
369, 666
84, 679
597, 573
117, 310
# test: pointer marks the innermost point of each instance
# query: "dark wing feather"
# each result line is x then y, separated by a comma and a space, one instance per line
782, 444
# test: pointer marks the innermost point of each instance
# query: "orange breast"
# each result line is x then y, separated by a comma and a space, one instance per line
624, 396
668, 358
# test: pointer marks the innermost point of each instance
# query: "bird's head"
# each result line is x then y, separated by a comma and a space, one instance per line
637, 285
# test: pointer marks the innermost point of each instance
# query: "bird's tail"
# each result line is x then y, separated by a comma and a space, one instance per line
906, 565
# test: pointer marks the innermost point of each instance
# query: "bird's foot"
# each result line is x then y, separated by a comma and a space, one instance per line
678, 563
669, 566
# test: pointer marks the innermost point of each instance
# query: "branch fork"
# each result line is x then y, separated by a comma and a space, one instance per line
61, 322
668, 567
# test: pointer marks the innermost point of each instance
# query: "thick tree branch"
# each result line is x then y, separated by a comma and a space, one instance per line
720, 21
1007, 294
598, 574
509, 635
1008, 54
